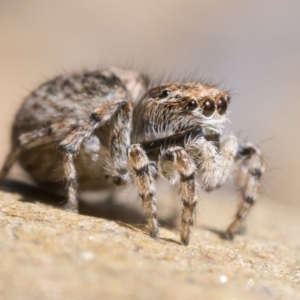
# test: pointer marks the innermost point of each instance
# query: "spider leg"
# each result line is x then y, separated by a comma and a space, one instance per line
35, 138
227, 152
214, 164
10, 159
251, 169
173, 162
70, 146
119, 142
144, 173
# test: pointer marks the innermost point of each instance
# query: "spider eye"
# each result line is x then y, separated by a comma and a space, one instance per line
208, 108
192, 105
222, 106
164, 94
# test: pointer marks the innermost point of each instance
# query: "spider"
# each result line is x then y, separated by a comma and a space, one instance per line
104, 127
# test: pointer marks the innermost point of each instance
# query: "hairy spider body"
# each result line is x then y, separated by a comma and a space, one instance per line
103, 127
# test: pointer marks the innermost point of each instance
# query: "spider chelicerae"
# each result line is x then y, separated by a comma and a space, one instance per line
99, 128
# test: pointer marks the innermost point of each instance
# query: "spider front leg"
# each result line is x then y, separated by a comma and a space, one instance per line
70, 146
173, 162
132, 160
214, 164
252, 167
144, 173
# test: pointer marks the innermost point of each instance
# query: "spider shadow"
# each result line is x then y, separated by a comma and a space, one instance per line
224, 235
107, 209
142, 228
221, 234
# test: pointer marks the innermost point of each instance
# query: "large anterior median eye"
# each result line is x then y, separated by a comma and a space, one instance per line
208, 107
222, 106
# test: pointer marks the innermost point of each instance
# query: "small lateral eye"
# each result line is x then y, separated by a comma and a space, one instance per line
208, 107
192, 105
164, 94
222, 106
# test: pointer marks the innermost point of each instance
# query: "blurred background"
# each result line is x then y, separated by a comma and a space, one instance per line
251, 47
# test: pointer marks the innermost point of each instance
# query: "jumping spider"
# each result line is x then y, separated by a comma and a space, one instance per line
84, 127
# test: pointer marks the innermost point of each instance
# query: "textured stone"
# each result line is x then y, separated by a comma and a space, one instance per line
48, 253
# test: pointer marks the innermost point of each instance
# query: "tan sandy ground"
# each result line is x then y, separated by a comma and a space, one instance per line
48, 253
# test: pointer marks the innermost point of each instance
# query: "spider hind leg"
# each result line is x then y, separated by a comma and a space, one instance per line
251, 169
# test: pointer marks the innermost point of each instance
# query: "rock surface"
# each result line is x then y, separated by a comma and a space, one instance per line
48, 253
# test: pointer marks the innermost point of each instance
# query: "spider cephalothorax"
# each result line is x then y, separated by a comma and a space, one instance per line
175, 108
107, 124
